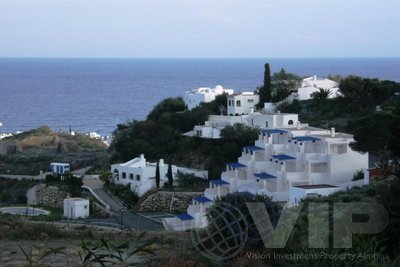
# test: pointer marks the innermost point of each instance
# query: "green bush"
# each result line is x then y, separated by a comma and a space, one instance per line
124, 193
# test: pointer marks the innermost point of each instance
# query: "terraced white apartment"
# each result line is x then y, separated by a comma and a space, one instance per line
286, 164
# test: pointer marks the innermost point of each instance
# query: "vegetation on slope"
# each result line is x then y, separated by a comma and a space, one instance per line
160, 136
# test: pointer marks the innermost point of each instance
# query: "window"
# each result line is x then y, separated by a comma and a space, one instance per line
124, 175
342, 149
290, 122
238, 103
250, 100
138, 177
266, 124
85, 207
131, 176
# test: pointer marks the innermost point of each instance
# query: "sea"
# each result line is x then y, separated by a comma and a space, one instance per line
94, 95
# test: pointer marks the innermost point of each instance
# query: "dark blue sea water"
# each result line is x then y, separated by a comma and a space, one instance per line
97, 94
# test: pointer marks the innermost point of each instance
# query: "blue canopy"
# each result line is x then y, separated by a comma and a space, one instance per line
236, 165
272, 131
252, 148
202, 199
305, 138
283, 157
218, 182
184, 217
264, 175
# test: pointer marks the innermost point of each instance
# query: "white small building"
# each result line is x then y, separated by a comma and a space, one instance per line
313, 84
299, 192
212, 128
242, 103
194, 97
76, 208
140, 174
59, 168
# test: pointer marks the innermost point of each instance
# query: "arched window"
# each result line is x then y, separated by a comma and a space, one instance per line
290, 122
238, 104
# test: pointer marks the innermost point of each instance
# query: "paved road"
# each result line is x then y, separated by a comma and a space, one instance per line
129, 219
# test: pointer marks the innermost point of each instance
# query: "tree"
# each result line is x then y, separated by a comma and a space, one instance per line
170, 175
158, 175
283, 83
322, 94
266, 90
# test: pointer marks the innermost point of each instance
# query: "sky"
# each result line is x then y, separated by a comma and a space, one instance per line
199, 28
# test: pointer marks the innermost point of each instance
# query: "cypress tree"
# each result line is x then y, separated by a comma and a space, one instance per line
169, 175
265, 90
158, 175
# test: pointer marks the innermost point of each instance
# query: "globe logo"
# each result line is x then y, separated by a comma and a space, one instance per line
226, 233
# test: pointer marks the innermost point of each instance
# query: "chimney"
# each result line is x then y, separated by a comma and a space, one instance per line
315, 77
141, 156
161, 163
333, 132
298, 125
279, 112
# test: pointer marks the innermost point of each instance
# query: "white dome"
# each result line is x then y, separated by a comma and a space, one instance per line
219, 87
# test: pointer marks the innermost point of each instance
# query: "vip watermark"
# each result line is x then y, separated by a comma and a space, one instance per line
227, 231
323, 255
226, 234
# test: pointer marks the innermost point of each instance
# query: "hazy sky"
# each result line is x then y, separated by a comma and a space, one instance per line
199, 28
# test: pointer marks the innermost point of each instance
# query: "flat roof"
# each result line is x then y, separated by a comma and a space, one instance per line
236, 165
202, 199
219, 182
184, 217
315, 186
283, 157
264, 175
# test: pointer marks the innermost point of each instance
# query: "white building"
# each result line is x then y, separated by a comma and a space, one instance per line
194, 97
140, 174
285, 164
76, 208
297, 193
313, 84
59, 168
242, 103
212, 128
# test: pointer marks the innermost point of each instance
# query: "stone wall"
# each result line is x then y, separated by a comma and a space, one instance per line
47, 196
161, 202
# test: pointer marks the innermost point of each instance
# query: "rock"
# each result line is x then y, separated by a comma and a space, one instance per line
66, 146
10, 148
48, 196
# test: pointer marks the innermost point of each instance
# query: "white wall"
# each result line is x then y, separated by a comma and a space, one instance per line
296, 194
76, 208
247, 102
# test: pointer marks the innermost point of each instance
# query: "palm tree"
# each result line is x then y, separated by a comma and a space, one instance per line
322, 94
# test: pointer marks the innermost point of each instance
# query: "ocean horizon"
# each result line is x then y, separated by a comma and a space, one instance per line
96, 94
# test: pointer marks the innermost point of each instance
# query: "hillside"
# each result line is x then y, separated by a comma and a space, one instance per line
32, 151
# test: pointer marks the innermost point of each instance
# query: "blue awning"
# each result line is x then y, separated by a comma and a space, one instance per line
236, 165
202, 199
272, 131
184, 217
283, 157
305, 138
252, 148
218, 182
264, 175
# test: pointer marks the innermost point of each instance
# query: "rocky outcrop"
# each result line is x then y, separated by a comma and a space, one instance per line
10, 148
47, 196
161, 202
65, 146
